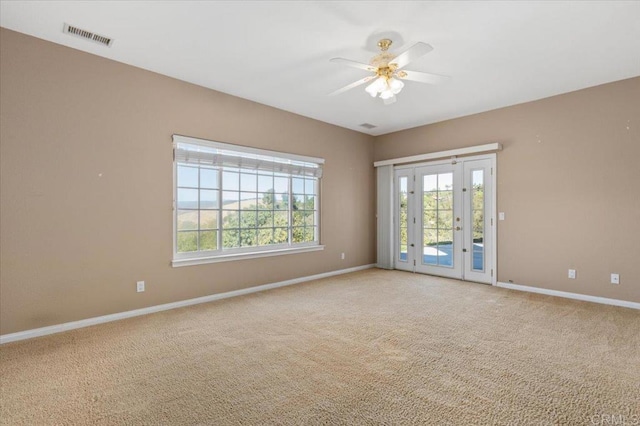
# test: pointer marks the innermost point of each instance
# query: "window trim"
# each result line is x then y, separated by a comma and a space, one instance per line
245, 149
241, 253
201, 260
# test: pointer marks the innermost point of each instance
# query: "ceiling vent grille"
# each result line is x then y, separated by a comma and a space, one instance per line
368, 126
87, 35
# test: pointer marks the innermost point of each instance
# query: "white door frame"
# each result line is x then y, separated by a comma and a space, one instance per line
493, 206
487, 273
407, 264
455, 270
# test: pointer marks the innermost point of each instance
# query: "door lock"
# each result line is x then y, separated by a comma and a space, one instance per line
457, 228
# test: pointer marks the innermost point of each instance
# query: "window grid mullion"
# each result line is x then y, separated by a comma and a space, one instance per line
291, 238
290, 207
219, 218
316, 215
198, 225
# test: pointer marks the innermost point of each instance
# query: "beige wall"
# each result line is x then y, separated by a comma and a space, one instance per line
73, 243
568, 182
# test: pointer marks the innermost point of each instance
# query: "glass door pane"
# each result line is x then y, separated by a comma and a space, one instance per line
437, 232
477, 221
404, 220
477, 217
403, 209
437, 210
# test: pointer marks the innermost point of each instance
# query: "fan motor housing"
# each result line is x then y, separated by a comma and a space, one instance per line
381, 60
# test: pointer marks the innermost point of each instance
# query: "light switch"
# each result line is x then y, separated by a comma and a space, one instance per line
501, 216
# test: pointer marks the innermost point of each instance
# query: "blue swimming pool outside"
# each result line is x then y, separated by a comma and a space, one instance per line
442, 255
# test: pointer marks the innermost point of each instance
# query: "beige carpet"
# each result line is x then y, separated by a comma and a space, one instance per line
374, 347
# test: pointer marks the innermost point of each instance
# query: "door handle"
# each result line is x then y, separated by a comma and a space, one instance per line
458, 228
413, 245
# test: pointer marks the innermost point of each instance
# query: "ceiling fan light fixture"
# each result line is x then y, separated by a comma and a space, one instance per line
395, 85
371, 90
387, 94
385, 87
378, 85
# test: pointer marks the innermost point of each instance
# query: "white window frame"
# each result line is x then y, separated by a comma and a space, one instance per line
223, 255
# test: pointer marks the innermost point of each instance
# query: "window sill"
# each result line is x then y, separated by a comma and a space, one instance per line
242, 256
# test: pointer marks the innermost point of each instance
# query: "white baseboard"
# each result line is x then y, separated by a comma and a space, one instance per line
58, 328
576, 296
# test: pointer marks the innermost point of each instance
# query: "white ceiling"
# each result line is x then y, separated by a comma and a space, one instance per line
277, 52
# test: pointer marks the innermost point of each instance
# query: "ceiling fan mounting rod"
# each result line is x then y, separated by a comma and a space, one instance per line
384, 44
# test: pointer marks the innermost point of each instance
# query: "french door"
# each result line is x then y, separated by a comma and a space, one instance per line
444, 218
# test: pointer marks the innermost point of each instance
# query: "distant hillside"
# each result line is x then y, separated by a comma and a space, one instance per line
192, 215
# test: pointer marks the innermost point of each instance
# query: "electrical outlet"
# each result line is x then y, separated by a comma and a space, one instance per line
342, 256
615, 278
140, 286
572, 274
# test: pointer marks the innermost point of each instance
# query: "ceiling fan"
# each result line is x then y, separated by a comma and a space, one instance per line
388, 71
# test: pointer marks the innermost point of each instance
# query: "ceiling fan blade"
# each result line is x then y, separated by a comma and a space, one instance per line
354, 64
422, 77
390, 100
414, 52
352, 85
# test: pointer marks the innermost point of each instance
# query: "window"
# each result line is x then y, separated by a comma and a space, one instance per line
236, 202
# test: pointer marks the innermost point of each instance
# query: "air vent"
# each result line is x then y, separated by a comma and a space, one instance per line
368, 126
87, 35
